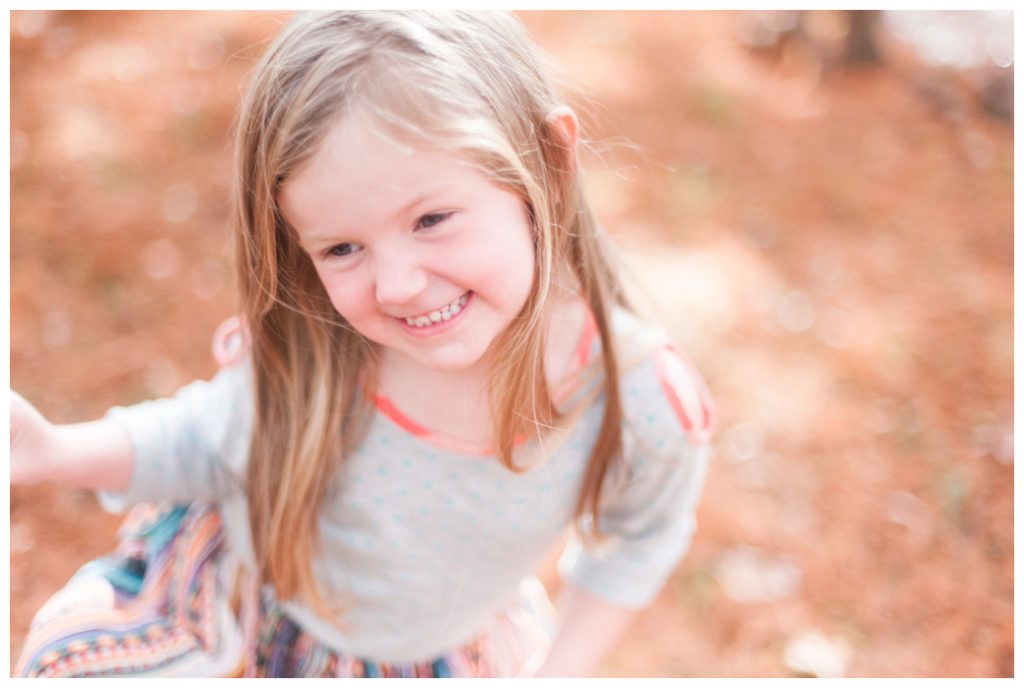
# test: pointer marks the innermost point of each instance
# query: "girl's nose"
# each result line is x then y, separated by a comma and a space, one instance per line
400, 279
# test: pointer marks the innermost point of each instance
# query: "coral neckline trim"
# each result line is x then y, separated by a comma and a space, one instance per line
386, 407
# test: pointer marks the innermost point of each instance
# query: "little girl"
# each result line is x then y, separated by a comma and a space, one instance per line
434, 375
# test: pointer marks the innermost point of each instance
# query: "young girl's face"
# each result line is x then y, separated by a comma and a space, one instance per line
417, 250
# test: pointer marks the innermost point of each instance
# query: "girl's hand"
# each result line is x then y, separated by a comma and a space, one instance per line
97, 455
33, 443
589, 629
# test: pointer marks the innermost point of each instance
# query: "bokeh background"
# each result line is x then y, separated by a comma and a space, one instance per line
819, 204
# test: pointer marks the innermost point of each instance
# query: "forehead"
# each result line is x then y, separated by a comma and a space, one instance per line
359, 169
352, 152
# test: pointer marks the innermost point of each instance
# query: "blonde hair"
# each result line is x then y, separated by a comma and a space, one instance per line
467, 83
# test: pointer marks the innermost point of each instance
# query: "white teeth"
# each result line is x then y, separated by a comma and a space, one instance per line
440, 314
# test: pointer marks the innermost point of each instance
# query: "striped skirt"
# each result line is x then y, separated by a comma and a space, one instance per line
167, 603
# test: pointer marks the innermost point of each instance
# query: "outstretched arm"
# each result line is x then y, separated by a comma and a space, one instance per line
590, 627
94, 455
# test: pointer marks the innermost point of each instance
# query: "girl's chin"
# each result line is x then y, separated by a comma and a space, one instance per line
450, 363
455, 357
452, 357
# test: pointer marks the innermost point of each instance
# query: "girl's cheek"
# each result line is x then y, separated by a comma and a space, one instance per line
345, 294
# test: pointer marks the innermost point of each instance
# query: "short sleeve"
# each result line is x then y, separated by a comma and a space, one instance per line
190, 446
648, 507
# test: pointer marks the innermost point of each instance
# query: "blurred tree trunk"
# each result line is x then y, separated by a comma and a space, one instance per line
833, 38
861, 40
997, 92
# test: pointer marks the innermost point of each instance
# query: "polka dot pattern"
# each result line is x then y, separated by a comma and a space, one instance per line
417, 533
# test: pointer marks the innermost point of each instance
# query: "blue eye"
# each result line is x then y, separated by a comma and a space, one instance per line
432, 219
342, 250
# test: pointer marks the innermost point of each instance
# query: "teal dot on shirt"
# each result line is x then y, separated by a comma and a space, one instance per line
428, 483
382, 471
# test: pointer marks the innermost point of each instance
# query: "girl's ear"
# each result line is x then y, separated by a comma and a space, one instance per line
566, 126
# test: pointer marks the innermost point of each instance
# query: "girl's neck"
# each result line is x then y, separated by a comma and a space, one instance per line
450, 403
456, 403
400, 374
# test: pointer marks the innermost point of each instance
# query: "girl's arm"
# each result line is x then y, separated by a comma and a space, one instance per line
590, 627
94, 455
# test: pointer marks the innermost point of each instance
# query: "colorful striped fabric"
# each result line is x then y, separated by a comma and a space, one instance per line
178, 607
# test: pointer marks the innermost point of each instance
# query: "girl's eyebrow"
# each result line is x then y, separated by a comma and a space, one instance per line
329, 236
413, 203
424, 196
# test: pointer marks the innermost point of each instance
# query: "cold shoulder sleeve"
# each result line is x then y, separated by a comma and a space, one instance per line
649, 501
192, 446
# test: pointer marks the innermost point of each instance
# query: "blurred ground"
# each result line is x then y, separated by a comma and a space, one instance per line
832, 245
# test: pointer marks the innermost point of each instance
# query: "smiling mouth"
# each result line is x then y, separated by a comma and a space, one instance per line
438, 315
